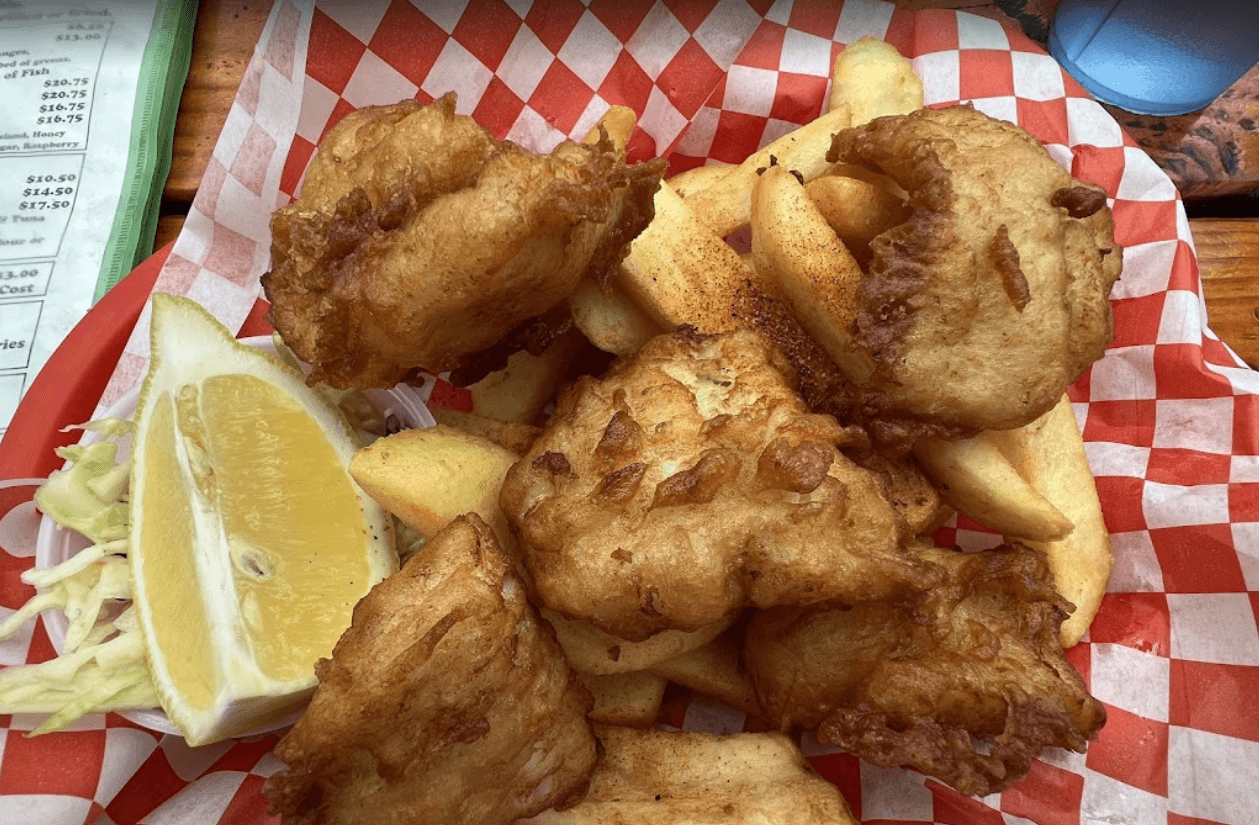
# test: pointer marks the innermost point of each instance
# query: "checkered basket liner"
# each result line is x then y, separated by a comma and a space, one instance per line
1170, 416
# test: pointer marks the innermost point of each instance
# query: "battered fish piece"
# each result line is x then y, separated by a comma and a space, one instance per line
448, 700
919, 684
910, 491
982, 308
691, 481
407, 149
675, 778
420, 240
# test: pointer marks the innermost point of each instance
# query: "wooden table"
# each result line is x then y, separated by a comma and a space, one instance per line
227, 30
1209, 154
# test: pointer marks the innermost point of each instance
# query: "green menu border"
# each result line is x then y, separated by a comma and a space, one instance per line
163, 71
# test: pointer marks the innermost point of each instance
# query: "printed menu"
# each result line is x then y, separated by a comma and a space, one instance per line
87, 115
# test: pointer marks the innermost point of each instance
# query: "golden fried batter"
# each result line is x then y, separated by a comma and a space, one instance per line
448, 700
675, 778
419, 240
691, 481
395, 152
910, 491
993, 297
978, 659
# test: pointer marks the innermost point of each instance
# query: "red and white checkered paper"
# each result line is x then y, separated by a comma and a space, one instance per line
1170, 415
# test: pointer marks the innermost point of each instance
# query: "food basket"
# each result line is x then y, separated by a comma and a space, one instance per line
1170, 416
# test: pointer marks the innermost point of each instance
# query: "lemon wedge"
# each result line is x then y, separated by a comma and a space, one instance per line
250, 543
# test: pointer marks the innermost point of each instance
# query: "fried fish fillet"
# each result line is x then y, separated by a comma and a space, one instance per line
919, 684
993, 297
598, 653
419, 240
691, 481
675, 778
396, 152
448, 700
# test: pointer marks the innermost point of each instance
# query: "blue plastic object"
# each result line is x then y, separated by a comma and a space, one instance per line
1156, 57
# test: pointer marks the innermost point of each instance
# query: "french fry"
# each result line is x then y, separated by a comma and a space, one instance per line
679, 272
604, 315
609, 319
509, 434
519, 391
852, 170
974, 476
630, 700
618, 122
428, 476
795, 249
857, 210
713, 671
1049, 452
698, 179
727, 204
873, 79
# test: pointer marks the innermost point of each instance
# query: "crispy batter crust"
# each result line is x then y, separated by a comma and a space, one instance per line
994, 296
919, 684
448, 700
692, 481
419, 240
676, 778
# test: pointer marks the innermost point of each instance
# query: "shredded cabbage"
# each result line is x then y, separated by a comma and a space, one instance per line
102, 666
89, 497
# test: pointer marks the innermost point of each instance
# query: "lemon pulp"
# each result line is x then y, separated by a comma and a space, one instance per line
250, 542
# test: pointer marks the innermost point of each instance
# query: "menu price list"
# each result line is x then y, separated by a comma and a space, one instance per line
51, 58
18, 322
36, 201
88, 96
77, 141
37, 198
47, 72
25, 280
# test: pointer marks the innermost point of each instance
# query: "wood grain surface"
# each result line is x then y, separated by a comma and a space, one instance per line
223, 43
1210, 153
1228, 258
1207, 154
